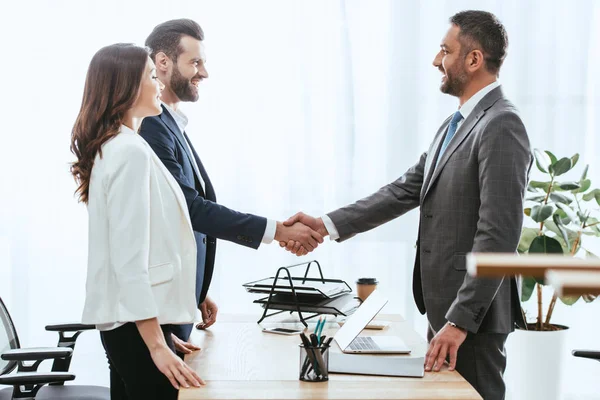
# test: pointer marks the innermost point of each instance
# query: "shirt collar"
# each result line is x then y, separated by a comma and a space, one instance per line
126, 129
470, 104
180, 118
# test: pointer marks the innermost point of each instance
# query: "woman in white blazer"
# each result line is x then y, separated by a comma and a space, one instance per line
142, 251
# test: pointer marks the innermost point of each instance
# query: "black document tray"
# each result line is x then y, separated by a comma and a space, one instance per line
302, 294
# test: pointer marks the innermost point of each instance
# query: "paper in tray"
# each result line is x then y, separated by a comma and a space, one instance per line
325, 288
344, 304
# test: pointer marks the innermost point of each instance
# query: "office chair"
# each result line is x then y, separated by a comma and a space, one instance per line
29, 384
594, 355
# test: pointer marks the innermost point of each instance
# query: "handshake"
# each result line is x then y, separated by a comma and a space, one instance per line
301, 233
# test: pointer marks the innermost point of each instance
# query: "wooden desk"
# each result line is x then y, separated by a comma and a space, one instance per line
238, 361
574, 283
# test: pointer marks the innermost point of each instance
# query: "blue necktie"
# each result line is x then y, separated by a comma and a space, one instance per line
456, 118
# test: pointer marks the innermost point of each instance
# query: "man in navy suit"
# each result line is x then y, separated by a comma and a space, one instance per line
178, 53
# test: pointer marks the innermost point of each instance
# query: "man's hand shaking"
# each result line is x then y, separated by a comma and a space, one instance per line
296, 246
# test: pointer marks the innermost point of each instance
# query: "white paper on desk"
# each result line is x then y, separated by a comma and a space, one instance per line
376, 364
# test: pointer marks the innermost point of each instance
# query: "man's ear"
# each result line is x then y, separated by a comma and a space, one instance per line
475, 60
162, 62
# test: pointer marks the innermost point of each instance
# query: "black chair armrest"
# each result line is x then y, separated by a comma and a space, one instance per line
36, 353
594, 355
35, 378
63, 364
26, 385
74, 327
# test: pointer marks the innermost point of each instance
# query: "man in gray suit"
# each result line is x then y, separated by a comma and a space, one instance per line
469, 187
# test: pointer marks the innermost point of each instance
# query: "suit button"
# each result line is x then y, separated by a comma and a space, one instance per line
428, 215
427, 251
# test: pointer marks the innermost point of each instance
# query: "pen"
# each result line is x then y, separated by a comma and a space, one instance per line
321, 330
319, 322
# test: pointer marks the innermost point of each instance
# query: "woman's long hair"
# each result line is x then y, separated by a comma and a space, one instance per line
111, 88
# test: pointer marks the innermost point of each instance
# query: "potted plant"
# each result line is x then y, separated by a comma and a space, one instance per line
561, 214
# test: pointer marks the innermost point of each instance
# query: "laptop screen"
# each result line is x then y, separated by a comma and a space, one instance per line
357, 321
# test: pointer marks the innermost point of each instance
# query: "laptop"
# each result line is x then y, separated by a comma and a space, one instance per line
349, 341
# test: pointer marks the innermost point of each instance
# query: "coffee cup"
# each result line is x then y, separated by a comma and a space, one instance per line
365, 286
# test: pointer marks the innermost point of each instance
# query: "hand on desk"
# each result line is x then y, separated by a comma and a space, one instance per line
316, 224
183, 347
173, 367
297, 232
209, 310
445, 343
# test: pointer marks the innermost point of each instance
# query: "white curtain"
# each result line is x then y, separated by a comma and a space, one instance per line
310, 105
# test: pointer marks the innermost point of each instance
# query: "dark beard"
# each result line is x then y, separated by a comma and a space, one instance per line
182, 87
456, 81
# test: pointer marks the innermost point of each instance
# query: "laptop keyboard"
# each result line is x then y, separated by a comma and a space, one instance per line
363, 343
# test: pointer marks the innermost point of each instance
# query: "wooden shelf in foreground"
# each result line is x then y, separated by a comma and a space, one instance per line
574, 283
535, 265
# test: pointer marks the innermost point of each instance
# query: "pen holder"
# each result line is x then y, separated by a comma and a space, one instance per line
314, 363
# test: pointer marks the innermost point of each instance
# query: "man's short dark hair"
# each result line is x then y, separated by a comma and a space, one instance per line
481, 29
167, 36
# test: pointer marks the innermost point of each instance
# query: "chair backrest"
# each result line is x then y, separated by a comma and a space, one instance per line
8, 338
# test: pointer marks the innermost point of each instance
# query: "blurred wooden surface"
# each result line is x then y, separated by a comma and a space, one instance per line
503, 264
574, 283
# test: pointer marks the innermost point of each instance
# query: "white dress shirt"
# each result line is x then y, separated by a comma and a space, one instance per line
182, 121
465, 111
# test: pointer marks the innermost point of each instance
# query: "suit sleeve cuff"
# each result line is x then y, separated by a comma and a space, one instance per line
330, 226
269, 231
463, 318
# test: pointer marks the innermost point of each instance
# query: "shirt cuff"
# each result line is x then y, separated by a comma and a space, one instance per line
330, 226
269, 231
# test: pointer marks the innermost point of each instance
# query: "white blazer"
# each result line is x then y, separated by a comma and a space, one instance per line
142, 250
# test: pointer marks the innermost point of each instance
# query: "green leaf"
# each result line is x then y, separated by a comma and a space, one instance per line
594, 194
540, 213
574, 160
584, 174
540, 185
559, 197
538, 198
552, 156
527, 236
527, 212
562, 229
563, 216
527, 287
585, 185
568, 210
569, 300
569, 185
545, 245
542, 160
561, 166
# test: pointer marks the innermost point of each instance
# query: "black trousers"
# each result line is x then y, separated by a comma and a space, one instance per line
133, 374
481, 360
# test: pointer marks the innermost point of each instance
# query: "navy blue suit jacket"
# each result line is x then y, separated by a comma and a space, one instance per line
210, 221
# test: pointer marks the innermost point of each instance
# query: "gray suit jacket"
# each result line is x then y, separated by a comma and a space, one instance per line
471, 202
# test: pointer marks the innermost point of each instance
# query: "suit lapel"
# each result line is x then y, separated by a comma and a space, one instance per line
433, 154
463, 132
172, 125
172, 183
210, 192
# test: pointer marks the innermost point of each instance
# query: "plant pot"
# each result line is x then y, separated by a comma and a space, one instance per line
534, 362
